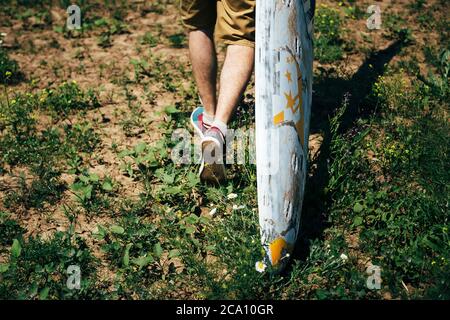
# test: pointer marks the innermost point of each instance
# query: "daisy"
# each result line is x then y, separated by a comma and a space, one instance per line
260, 266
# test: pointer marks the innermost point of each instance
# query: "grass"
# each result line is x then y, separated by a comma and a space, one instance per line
45, 188
149, 39
389, 187
89, 191
328, 31
9, 69
67, 98
140, 226
35, 268
23, 142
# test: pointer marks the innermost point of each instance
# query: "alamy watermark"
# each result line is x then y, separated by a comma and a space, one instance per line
240, 148
74, 17
74, 279
374, 277
374, 21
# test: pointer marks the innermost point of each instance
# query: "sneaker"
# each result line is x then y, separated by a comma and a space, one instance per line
197, 121
212, 168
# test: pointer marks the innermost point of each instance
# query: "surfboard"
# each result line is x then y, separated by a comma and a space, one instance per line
283, 90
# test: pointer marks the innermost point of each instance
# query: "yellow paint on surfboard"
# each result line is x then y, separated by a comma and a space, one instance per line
290, 102
279, 118
276, 250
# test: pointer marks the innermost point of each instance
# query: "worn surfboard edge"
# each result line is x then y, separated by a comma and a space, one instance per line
283, 72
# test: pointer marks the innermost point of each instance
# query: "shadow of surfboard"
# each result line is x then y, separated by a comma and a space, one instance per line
329, 94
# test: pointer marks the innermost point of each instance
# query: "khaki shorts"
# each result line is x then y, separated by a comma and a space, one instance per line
232, 20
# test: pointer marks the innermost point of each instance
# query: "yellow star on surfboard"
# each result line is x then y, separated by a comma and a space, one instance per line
290, 103
288, 75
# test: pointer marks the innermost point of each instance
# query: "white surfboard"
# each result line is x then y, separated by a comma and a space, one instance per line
283, 72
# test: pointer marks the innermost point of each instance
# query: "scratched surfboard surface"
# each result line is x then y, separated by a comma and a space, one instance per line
284, 59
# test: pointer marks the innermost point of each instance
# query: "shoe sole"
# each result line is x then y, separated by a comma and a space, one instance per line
211, 172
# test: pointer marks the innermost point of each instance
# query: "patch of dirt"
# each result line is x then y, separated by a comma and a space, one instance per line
55, 59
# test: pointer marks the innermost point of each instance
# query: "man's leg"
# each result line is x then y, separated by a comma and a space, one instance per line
204, 65
235, 27
236, 73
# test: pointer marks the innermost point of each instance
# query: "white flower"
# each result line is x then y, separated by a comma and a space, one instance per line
260, 266
344, 257
232, 196
236, 207
213, 212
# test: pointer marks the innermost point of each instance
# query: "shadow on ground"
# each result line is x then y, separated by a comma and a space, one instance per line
329, 94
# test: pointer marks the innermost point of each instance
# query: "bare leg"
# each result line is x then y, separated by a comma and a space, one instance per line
236, 73
204, 65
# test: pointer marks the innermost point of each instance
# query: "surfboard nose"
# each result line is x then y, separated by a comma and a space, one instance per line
278, 250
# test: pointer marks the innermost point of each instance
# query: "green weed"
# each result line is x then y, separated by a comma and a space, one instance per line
90, 190
66, 99
9, 230
9, 69
149, 39
45, 188
37, 269
328, 31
